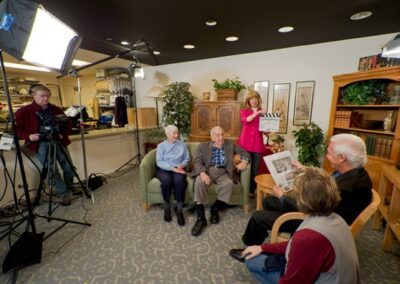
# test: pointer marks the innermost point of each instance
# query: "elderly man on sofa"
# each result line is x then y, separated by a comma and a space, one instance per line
214, 163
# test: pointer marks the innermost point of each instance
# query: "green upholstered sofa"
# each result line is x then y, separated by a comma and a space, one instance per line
150, 186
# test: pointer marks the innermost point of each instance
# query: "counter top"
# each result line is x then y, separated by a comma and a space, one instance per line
107, 132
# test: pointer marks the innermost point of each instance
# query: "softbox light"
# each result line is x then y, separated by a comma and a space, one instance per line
28, 32
392, 48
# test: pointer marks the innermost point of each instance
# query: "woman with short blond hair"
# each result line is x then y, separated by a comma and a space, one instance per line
251, 139
322, 250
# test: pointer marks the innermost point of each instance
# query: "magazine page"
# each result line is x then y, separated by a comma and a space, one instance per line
281, 169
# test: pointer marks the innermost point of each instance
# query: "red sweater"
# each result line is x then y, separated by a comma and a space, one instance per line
310, 253
28, 122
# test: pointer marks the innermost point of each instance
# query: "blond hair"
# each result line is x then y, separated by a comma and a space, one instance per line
316, 192
253, 94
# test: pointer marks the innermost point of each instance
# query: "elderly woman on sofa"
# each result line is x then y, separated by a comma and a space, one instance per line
172, 158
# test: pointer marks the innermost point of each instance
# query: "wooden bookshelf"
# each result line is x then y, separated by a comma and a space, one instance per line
367, 121
389, 209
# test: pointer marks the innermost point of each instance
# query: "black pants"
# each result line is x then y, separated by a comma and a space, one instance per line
170, 181
261, 222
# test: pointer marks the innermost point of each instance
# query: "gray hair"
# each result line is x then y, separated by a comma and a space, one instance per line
214, 129
171, 128
352, 146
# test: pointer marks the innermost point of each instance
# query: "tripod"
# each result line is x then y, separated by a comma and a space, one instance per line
49, 171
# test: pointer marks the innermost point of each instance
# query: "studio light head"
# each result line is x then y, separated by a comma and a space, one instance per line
28, 32
392, 48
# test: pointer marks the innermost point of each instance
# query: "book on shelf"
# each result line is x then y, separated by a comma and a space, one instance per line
281, 169
388, 148
378, 146
346, 119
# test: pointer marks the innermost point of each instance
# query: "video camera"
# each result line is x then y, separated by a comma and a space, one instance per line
50, 126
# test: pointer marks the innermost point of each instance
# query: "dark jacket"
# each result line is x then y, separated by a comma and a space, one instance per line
355, 190
203, 159
28, 122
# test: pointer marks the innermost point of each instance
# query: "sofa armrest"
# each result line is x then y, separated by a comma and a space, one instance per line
245, 181
147, 171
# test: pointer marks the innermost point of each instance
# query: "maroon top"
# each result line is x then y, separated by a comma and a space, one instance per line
28, 122
310, 253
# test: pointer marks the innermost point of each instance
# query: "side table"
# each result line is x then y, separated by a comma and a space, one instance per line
265, 185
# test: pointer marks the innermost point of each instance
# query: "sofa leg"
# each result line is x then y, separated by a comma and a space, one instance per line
246, 209
146, 206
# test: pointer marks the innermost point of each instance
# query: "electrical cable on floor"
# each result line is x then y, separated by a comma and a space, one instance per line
119, 173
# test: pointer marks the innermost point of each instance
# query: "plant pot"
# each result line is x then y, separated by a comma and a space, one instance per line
226, 94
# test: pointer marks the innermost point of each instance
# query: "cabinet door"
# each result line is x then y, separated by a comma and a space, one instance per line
202, 119
227, 116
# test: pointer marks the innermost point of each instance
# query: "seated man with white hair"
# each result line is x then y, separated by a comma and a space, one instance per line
347, 155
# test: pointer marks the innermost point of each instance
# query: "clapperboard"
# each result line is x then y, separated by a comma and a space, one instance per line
269, 122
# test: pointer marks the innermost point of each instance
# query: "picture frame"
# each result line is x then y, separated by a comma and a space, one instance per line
303, 102
280, 104
262, 87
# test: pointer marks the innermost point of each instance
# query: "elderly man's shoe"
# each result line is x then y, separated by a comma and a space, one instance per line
237, 254
214, 218
199, 226
65, 199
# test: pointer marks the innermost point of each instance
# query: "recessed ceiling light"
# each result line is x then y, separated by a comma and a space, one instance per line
361, 15
109, 38
124, 42
231, 38
286, 29
156, 52
211, 23
188, 46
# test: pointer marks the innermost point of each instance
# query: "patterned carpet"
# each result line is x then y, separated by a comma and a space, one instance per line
127, 245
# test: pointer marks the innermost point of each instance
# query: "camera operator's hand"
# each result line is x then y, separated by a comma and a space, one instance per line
34, 137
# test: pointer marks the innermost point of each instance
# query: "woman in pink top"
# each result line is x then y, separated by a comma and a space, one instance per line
251, 139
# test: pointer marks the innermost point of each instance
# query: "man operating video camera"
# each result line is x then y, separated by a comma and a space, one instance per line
42, 122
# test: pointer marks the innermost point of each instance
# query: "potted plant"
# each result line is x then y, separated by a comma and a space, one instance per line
178, 104
228, 89
365, 92
276, 143
310, 143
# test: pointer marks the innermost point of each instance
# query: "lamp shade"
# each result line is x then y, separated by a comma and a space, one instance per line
28, 32
392, 48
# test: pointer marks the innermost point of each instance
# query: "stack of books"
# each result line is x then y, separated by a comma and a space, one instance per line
378, 146
345, 119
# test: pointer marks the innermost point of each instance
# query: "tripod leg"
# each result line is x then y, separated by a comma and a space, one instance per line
65, 159
43, 175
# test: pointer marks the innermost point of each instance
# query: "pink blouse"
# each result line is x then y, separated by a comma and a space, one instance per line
251, 139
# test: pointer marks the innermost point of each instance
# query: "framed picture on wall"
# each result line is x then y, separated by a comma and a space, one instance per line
280, 104
262, 88
303, 102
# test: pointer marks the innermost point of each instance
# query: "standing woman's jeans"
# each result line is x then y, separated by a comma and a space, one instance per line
255, 159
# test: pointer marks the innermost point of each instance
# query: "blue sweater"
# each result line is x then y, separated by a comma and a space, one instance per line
171, 155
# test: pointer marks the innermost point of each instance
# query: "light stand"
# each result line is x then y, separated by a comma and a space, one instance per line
138, 156
74, 73
32, 239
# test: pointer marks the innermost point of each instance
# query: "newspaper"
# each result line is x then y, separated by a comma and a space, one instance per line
281, 168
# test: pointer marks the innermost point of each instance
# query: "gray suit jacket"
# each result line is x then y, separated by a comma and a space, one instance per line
202, 162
